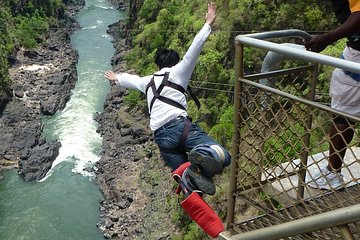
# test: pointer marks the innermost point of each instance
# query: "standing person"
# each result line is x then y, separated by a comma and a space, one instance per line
179, 140
344, 90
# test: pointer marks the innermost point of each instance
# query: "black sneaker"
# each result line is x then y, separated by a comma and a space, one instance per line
207, 165
199, 182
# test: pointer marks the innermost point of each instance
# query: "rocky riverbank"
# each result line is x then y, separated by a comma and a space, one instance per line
130, 176
42, 80
139, 200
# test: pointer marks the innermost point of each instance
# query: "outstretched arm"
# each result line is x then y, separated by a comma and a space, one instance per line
127, 80
319, 43
182, 71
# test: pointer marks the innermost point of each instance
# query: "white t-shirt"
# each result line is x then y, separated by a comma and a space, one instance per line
180, 74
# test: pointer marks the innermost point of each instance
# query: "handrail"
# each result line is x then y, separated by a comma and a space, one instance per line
256, 40
294, 33
305, 225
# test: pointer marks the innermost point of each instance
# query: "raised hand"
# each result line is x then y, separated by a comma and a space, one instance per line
211, 13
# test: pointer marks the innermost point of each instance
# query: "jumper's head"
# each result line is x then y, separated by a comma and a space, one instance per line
166, 58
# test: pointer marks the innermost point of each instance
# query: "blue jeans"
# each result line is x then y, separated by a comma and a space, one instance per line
168, 137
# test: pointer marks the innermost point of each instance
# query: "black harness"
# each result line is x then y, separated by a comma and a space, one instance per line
156, 93
166, 82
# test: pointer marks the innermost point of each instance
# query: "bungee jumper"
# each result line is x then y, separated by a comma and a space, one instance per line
193, 156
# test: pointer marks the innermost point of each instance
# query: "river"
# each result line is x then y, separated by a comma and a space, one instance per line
65, 205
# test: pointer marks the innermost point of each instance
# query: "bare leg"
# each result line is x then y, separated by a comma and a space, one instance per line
340, 136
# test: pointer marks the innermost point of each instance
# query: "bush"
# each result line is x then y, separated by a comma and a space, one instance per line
29, 30
4, 73
134, 99
149, 10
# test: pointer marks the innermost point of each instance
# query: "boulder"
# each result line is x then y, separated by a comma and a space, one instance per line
39, 162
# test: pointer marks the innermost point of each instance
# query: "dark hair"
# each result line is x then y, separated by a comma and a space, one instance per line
166, 58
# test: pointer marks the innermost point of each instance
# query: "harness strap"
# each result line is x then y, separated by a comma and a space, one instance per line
174, 85
156, 94
153, 88
168, 101
193, 96
181, 147
185, 134
152, 82
166, 82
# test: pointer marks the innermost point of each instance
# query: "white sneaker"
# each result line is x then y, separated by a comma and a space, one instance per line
325, 179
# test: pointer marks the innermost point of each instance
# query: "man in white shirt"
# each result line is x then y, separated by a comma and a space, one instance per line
179, 140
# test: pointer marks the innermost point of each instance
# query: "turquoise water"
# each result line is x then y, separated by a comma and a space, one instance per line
65, 205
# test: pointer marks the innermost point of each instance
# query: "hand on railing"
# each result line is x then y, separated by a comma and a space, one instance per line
318, 43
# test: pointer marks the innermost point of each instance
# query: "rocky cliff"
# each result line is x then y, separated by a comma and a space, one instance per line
42, 80
139, 200
138, 192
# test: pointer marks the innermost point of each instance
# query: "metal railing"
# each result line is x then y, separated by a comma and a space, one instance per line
280, 139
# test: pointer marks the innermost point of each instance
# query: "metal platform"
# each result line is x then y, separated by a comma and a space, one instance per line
324, 203
284, 189
315, 201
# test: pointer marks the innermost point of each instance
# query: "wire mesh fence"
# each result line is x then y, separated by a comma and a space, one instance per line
283, 152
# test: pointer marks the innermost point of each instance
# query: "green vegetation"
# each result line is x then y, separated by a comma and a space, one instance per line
24, 24
173, 24
134, 99
284, 145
